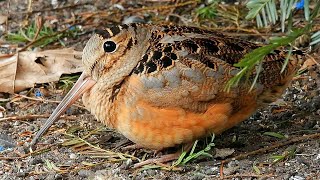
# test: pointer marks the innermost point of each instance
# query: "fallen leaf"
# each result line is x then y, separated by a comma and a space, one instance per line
223, 153
3, 19
24, 69
309, 62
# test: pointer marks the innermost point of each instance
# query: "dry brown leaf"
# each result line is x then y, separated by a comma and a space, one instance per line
27, 68
310, 62
3, 19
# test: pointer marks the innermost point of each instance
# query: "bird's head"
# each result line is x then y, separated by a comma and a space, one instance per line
109, 56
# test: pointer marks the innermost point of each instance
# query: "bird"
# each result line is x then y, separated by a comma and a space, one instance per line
164, 85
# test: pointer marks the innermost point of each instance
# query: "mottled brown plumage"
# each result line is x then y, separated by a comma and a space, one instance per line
165, 85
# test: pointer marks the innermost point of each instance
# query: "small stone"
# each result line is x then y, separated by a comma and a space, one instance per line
230, 170
30, 128
197, 176
21, 174
73, 156
35, 161
296, 177
151, 172
211, 171
223, 153
133, 19
85, 173
17, 123
58, 176
129, 162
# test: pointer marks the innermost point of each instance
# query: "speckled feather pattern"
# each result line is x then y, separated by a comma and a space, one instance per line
164, 85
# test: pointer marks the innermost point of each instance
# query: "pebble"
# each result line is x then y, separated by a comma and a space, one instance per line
296, 177
73, 156
17, 123
21, 174
211, 171
197, 176
35, 161
85, 173
133, 19
151, 172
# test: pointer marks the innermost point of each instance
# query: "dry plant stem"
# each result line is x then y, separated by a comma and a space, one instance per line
30, 153
55, 9
49, 36
164, 158
163, 7
34, 116
39, 24
100, 13
249, 175
275, 146
45, 100
268, 149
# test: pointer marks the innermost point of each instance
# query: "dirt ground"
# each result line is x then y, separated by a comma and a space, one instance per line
243, 152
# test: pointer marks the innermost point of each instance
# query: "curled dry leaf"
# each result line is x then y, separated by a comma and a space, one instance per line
27, 68
3, 19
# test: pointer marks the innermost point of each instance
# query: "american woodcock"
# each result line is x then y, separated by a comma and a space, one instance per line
162, 85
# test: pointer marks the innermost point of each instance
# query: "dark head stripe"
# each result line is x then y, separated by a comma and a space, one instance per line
115, 30
103, 33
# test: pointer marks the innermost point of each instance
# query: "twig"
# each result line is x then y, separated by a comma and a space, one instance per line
45, 37
46, 100
274, 147
34, 116
30, 153
248, 175
56, 9
163, 7
39, 24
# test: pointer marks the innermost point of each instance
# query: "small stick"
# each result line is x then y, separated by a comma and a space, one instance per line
34, 116
30, 153
45, 100
55, 9
274, 147
163, 7
249, 175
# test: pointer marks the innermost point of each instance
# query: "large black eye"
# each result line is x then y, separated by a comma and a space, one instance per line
109, 46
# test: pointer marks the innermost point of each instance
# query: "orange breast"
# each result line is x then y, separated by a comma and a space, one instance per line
157, 127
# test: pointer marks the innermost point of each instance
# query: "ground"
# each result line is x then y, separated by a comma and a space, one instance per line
281, 141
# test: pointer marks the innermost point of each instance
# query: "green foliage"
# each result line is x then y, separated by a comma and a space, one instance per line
274, 134
254, 58
84, 147
256, 169
288, 154
184, 158
67, 82
49, 35
264, 11
315, 38
207, 12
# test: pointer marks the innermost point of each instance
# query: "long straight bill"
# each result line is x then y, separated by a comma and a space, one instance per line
82, 85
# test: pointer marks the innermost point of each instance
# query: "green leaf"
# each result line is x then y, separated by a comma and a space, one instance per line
256, 169
287, 60
315, 38
306, 10
264, 11
274, 134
